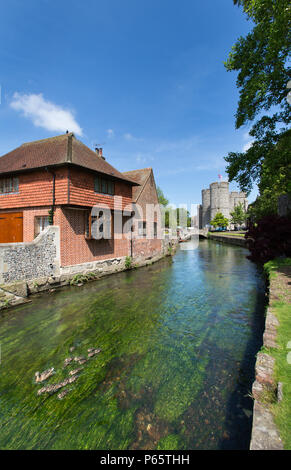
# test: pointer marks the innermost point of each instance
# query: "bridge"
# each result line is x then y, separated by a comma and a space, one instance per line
203, 232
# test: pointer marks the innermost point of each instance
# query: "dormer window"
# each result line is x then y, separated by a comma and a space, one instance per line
9, 185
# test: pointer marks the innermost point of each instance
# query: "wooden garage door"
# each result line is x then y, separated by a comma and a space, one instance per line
11, 227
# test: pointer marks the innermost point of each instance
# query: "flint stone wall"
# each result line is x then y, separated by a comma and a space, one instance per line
31, 260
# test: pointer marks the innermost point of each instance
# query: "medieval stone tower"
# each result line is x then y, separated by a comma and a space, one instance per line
218, 199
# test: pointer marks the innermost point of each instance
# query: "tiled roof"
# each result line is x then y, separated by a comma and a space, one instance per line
62, 149
140, 177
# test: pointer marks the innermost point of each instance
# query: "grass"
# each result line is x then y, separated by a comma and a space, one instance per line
279, 273
236, 234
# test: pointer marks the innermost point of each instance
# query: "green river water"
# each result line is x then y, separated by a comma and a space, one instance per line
178, 342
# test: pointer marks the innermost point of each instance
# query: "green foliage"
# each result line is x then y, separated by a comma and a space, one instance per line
51, 216
183, 216
261, 60
82, 278
161, 197
281, 309
238, 215
128, 262
171, 442
273, 265
219, 220
176, 217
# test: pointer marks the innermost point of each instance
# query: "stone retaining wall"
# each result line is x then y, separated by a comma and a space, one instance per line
265, 435
232, 240
30, 260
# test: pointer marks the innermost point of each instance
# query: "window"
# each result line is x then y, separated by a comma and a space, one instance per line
40, 223
9, 185
155, 229
102, 185
95, 229
142, 229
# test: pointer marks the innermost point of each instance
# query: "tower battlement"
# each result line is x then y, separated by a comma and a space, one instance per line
217, 198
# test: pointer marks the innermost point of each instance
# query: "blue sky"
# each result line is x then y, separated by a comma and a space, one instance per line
144, 79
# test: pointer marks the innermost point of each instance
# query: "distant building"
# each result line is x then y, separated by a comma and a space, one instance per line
218, 199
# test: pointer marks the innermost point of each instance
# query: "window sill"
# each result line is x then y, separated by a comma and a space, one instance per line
8, 194
104, 194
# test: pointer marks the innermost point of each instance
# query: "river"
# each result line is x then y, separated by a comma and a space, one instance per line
178, 341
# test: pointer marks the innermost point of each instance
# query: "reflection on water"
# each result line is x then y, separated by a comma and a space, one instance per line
178, 342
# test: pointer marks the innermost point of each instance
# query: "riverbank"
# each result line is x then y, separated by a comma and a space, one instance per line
16, 293
272, 388
233, 239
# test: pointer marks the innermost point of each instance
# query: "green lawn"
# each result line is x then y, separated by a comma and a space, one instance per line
236, 234
279, 272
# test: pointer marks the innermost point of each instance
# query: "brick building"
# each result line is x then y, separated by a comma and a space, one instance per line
57, 181
146, 240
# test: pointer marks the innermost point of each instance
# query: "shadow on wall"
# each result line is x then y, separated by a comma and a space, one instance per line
77, 220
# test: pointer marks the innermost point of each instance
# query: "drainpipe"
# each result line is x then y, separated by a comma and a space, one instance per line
54, 194
131, 242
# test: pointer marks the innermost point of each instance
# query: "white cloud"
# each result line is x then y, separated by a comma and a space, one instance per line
247, 146
110, 132
249, 143
144, 157
131, 137
187, 145
44, 113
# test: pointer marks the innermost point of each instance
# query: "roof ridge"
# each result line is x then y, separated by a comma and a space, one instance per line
140, 169
96, 156
70, 148
48, 139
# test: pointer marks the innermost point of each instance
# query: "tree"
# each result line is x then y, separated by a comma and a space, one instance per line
219, 220
269, 238
238, 215
183, 217
261, 60
161, 197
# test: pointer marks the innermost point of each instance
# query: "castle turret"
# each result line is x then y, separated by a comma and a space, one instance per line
219, 199
233, 200
199, 213
213, 200
243, 200
205, 207
223, 194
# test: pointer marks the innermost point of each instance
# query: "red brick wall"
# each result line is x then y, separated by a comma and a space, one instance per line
144, 246
29, 219
36, 189
76, 249
82, 191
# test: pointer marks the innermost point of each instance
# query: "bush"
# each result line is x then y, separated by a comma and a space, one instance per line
269, 238
128, 262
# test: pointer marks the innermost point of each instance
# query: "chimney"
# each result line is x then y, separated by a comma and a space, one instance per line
99, 152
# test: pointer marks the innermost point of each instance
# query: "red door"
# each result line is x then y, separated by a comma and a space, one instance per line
11, 227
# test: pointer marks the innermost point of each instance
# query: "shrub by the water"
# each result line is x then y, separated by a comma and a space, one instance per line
128, 262
269, 238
